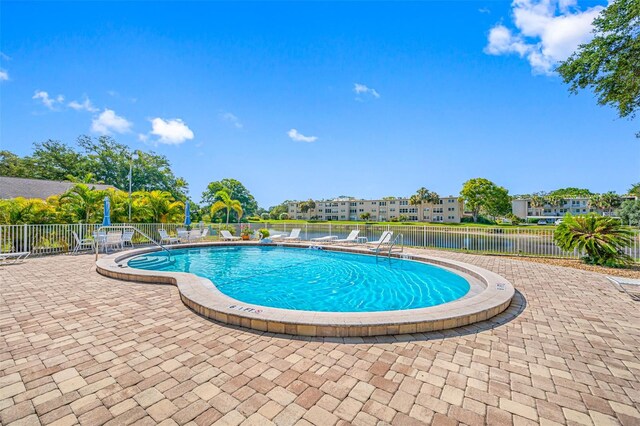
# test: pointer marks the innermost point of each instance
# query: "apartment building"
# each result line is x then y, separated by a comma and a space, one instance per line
447, 210
575, 206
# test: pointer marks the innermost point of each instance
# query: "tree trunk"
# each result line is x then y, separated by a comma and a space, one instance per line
227, 215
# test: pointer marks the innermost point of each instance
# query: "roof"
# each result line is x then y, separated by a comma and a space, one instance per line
12, 187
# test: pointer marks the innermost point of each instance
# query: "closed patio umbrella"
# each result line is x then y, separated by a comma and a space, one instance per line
187, 214
106, 219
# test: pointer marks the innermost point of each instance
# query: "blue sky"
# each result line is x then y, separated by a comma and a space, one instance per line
314, 99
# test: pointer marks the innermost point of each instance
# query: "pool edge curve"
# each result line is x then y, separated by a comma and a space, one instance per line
201, 296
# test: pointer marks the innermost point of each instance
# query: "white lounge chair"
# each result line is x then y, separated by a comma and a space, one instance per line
274, 235
352, 238
384, 239
226, 236
205, 232
166, 238
295, 235
15, 257
327, 239
82, 243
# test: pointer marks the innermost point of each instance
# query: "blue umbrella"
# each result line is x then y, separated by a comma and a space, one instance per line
106, 219
187, 214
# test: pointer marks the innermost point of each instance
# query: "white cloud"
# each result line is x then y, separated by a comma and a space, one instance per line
546, 32
85, 105
231, 118
171, 132
109, 122
361, 89
484, 10
46, 100
142, 137
4, 75
299, 137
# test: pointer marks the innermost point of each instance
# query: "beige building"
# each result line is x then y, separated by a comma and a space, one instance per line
447, 210
524, 209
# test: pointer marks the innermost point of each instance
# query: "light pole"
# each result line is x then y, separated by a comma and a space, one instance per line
134, 157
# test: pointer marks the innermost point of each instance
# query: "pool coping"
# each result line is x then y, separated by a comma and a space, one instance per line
202, 296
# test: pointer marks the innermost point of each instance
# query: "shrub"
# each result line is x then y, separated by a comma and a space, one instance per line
602, 239
264, 232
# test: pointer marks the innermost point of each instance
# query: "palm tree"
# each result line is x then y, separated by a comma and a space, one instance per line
84, 202
423, 195
602, 238
538, 200
225, 202
156, 206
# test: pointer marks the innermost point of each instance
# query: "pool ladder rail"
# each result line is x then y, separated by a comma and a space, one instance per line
395, 246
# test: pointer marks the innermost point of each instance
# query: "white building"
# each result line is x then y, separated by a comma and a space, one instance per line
447, 210
524, 209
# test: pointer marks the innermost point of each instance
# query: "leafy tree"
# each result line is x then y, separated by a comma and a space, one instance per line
157, 207
235, 190
54, 160
571, 192
610, 63
423, 195
482, 195
389, 198
635, 189
14, 166
83, 202
276, 211
629, 212
225, 202
18, 211
109, 161
365, 216
305, 206
538, 200
284, 216
607, 201
603, 239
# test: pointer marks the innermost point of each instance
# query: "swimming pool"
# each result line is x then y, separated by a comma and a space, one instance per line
313, 280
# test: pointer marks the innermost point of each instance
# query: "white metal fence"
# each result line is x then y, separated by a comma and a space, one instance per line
533, 241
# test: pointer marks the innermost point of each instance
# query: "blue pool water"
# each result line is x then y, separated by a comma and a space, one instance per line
313, 280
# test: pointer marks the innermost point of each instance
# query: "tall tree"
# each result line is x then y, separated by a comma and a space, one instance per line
56, 161
225, 202
610, 63
84, 202
423, 195
482, 195
13, 165
157, 206
235, 190
635, 189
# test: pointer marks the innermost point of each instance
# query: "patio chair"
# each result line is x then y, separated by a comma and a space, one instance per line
194, 235
183, 234
14, 257
352, 238
114, 239
82, 243
165, 237
295, 235
226, 236
205, 232
384, 239
127, 238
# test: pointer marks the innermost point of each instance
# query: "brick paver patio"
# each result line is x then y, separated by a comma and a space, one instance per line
76, 347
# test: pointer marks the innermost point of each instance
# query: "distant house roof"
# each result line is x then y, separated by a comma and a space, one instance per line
11, 187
